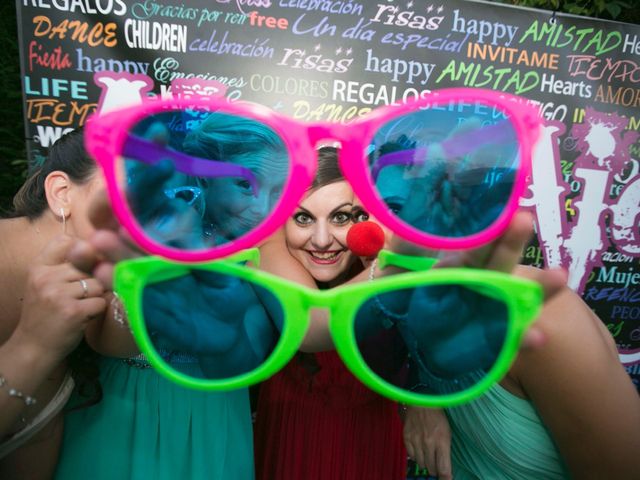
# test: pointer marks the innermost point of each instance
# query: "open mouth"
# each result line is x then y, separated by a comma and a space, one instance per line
325, 258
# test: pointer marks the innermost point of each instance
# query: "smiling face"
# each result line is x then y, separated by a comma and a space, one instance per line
316, 233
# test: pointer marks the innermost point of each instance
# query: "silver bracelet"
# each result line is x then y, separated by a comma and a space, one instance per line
12, 392
372, 269
378, 304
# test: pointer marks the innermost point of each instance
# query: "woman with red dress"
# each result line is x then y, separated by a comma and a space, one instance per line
314, 419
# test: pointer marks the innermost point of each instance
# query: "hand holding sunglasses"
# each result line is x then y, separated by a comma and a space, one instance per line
445, 171
214, 321
431, 338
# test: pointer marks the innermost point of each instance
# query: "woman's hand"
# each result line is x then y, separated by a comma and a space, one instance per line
205, 313
502, 255
59, 302
427, 438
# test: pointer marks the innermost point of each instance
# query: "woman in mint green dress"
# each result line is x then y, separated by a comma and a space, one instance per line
146, 427
566, 409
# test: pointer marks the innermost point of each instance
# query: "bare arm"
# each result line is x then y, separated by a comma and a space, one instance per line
25, 367
53, 318
427, 437
582, 392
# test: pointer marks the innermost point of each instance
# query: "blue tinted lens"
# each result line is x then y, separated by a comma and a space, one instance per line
197, 179
211, 325
448, 170
434, 339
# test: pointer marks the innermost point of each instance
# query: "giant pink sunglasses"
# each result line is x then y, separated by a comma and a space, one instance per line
199, 179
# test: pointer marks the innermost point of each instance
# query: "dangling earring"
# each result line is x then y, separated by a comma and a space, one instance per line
64, 221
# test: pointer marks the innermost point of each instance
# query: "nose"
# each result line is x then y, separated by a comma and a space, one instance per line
260, 206
321, 237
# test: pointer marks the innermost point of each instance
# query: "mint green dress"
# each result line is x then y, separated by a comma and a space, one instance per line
501, 436
146, 427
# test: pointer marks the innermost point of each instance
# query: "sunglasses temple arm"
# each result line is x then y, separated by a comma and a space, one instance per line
456, 146
488, 292
401, 157
150, 152
249, 255
408, 262
463, 143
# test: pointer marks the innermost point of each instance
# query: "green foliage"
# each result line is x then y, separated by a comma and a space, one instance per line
13, 157
623, 10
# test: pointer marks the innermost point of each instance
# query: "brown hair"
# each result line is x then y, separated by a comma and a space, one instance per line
328, 168
68, 155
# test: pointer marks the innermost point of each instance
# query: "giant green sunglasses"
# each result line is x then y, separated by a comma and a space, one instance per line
433, 338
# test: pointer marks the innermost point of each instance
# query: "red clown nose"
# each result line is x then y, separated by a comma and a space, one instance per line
365, 239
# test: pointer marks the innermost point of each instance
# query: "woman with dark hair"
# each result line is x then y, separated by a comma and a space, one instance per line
46, 306
315, 420
158, 429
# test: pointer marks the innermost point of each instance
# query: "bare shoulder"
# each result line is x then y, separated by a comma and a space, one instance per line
276, 259
274, 253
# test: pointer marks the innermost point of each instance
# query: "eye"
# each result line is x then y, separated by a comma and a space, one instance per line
341, 218
243, 185
302, 219
358, 215
394, 207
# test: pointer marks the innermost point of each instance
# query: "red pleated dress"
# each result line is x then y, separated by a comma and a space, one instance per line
318, 422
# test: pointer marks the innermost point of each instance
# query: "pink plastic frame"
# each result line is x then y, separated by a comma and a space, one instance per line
106, 136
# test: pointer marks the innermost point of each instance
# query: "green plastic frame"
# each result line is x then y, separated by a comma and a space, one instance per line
522, 297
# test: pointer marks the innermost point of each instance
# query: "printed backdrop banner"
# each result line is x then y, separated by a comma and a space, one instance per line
338, 59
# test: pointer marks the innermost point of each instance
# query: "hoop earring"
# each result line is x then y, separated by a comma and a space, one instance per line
64, 221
